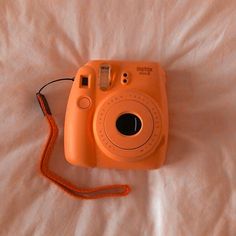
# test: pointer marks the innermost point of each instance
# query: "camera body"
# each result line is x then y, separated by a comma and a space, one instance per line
117, 116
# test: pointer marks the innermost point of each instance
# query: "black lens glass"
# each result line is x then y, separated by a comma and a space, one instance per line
128, 124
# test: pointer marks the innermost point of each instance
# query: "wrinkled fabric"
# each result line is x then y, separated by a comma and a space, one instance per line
194, 193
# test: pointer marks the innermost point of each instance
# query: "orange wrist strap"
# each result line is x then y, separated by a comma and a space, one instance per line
117, 190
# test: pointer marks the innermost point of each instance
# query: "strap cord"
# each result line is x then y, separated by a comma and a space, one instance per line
117, 190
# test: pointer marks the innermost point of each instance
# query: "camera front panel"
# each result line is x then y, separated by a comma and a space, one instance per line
117, 116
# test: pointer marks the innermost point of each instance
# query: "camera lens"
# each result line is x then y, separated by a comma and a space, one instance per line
128, 124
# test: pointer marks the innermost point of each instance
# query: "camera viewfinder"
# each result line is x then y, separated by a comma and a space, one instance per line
84, 81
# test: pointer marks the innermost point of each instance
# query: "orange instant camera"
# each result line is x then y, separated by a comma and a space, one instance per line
117, 116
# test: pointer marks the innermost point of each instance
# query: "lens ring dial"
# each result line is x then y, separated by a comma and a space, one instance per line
127, 148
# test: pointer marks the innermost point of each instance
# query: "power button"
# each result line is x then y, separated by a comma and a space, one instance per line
84, 102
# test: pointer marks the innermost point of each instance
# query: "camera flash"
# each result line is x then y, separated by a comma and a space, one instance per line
105, 76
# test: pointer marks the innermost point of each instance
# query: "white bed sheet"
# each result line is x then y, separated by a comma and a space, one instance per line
195, 41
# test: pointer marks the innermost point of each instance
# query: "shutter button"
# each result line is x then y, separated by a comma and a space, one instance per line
84, 102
